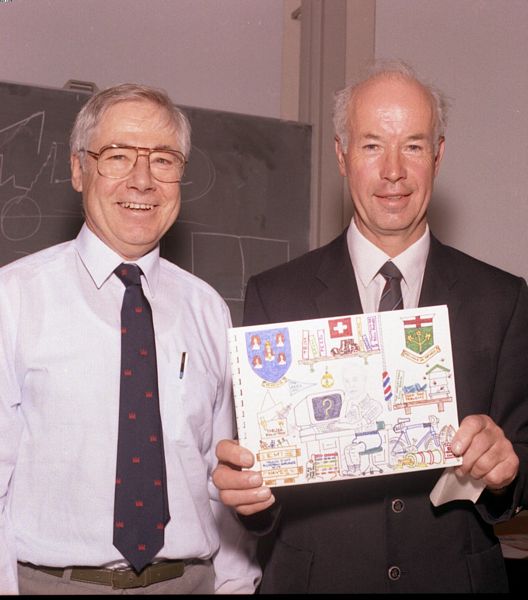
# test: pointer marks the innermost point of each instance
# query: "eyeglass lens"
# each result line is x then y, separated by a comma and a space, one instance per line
119, 162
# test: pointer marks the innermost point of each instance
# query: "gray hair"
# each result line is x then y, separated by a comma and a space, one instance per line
391, 68
91, 113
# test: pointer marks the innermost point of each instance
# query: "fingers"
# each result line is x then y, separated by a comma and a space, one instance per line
487, 453
251, 509
239, 489
470, 427
246, 495
229, 452
226, 477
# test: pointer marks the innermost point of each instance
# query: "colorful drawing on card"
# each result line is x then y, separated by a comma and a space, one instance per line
346, 397
419, 338
269, 353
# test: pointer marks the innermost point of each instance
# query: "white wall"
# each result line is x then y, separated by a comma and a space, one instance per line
221, 54
477, 52
227, 55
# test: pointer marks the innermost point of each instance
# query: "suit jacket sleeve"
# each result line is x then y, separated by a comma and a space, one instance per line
509, 408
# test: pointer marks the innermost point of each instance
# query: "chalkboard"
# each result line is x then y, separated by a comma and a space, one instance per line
245, 193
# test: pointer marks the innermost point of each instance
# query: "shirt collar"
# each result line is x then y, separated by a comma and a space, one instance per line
100, 260
367, 258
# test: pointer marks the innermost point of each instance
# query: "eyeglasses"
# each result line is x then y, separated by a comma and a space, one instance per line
115, 162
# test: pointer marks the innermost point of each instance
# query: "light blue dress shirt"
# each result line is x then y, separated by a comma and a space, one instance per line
59, 403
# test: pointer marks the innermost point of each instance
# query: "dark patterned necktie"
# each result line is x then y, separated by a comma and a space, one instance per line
140, 507
391, 297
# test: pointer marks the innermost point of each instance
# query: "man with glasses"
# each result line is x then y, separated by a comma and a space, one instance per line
61, 331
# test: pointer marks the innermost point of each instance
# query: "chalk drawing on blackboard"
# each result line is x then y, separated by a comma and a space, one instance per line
199, 177
10, 137
7, 134
241, 257
33, 173
21, 215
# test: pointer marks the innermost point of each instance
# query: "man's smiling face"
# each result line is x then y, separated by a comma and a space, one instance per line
392, 160
130, 215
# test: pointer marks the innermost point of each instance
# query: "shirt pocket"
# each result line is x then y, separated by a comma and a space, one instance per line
187, 404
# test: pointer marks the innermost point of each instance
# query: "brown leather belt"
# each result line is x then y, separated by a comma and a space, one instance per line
120, 578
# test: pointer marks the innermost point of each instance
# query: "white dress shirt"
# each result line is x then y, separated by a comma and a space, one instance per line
59, 403
367, 259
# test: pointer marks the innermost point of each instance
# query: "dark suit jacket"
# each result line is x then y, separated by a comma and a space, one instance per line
348, 536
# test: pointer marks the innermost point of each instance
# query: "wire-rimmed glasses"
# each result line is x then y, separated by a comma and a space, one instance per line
115, 162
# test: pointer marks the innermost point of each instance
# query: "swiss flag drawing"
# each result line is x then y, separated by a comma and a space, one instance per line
340, 327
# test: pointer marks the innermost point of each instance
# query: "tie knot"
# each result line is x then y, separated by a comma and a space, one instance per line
129, 274
390, 271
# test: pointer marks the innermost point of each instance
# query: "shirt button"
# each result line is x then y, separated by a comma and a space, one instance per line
394, 573
398, 505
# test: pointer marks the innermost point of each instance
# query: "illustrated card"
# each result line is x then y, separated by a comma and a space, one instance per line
346, 397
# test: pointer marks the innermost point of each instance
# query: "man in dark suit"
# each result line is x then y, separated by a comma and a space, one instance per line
383, 534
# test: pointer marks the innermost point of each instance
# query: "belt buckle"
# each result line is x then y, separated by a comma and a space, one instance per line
126, 578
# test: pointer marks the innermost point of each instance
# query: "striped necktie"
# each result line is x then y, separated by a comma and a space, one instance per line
391, 297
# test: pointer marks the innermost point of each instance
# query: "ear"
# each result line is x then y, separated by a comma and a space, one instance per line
340, 154
76, 172
439, 155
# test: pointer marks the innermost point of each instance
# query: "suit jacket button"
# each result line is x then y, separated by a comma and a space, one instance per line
394, 573
398, 505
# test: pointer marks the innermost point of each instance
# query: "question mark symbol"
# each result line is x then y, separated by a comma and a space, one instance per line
327, 406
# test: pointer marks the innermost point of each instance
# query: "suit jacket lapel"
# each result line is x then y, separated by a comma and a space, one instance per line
340, 296
439, 282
